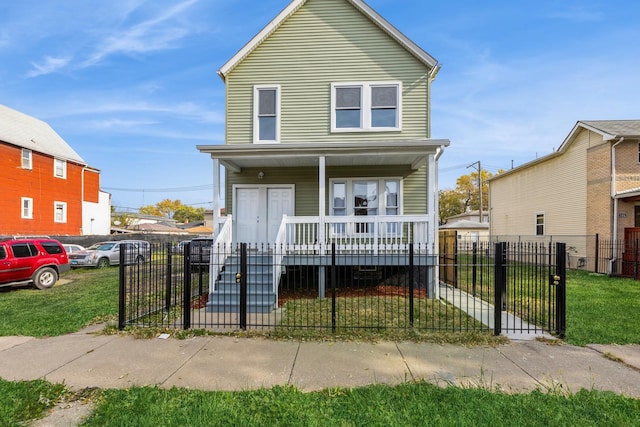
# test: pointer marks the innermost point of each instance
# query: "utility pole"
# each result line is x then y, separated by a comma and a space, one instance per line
479, 169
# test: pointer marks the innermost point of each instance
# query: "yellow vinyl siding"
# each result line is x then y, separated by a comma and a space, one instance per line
556, 187
326, 41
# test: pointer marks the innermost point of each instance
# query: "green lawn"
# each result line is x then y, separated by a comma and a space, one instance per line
411, 404
600, 310
89, 296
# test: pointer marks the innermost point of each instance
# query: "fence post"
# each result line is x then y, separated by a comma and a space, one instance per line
635, 259
561, 289
500, 285
186, 295
333, 287
243, 286
597, 251
122, 290
168, 284
411, 283
474, 268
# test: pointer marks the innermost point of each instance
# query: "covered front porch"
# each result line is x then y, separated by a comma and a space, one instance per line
265, 182
374, 200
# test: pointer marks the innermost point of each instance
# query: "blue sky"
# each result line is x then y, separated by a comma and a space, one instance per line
131, 85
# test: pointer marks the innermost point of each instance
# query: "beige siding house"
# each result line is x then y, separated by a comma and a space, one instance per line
327, 116
589, 186
468, 227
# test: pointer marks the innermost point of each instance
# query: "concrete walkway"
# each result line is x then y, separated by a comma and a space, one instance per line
513, 327
85, 359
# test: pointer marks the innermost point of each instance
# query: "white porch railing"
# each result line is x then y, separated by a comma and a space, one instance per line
375, 235
222, 247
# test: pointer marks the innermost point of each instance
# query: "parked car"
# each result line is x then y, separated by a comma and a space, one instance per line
104, 254
39, 261
71, 248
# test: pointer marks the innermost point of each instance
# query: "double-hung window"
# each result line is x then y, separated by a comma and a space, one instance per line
60, 212
540, 224
26, 208
60, 168
26, 159
266, 114
358, 107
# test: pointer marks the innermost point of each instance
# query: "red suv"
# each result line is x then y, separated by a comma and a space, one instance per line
25, 260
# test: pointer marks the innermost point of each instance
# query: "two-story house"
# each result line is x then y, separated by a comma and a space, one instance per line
328, 132
46, 188
589, 186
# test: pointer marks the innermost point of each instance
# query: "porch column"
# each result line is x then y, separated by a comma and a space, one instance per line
321, 199
432, 227
321, 214
216, 195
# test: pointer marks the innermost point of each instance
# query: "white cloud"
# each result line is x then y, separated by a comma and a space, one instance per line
147, 36
119, 124
49, 65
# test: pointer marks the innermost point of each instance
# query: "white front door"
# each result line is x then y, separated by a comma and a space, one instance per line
247, 213
258, 212
279, 203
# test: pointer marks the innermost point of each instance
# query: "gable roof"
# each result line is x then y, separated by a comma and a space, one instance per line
613, 129
609, 129
428, 60
465, 224
28, 132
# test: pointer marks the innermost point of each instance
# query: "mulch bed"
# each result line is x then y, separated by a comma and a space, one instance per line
286, 295
370, 291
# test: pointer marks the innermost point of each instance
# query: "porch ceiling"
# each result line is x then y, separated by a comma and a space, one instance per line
239, 156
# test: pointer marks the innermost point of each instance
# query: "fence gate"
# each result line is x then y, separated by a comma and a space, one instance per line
530, 288
448, 256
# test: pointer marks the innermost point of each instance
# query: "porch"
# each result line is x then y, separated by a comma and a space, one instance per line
361, 246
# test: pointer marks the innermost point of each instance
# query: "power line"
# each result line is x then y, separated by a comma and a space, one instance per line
162, 190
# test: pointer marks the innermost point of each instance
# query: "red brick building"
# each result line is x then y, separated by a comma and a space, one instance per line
46, 188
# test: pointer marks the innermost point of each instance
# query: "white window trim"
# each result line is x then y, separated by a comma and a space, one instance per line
256, 122
30, 161
64, 168
350, 209
64, 212
29, 215
349, 206
535, 224
365, 107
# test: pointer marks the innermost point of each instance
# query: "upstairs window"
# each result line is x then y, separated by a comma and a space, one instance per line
266, 114
358, 107
26, 159
27, 208
60, 168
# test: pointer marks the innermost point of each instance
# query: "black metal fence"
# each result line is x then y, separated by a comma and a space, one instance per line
620, 257
293, 289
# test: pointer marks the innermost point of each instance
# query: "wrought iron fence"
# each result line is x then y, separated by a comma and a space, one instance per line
324, 289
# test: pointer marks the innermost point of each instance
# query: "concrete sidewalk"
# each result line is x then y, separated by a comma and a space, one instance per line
85, 359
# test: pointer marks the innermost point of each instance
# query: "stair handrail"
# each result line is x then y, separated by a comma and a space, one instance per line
278, 254
221, 248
